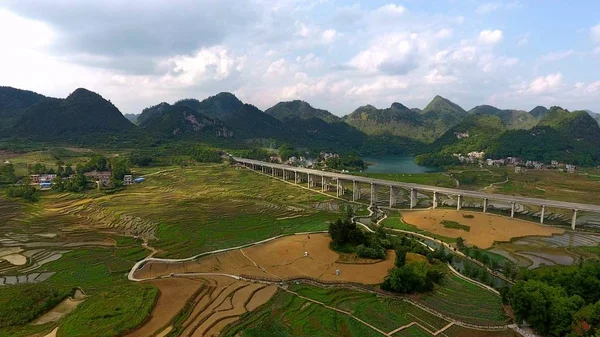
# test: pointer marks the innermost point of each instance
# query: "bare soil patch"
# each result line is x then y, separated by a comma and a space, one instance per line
485, 228
174, 293
282, 258
61, 310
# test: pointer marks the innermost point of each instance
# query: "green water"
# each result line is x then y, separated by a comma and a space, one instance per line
395, 164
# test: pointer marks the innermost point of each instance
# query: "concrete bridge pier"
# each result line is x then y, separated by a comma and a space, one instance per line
393, 193
485, 205
322, 183
542, 214
459, 202
373, 194
413, 198
436, 200
296, 177
339, 188
574, 221
355, 191
512, 209
309, 181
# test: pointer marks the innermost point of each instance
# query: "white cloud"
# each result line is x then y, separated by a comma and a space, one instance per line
544, 84
309, 61
490, 37
329, 35
209, 63
595, 33
390, 10
444, 33
392, 53
278, 67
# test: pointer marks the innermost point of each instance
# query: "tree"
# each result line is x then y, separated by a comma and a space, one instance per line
460, 243
400, 256
7, 174
120, 168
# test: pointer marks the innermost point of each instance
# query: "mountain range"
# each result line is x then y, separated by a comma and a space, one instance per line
441, 127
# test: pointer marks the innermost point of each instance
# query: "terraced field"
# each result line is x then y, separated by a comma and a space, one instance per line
304, 310
466, 302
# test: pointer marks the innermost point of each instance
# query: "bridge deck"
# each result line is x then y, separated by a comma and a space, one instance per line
427, 188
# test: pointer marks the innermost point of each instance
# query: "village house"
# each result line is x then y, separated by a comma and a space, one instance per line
570, 168
128, 179
554, 163
103, 177
275, 159
476, 155
35, 178
461, 135
518, 169
327, 155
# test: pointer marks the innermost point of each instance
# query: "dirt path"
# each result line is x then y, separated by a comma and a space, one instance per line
498, 183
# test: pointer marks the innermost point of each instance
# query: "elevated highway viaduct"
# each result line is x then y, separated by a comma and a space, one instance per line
339, 181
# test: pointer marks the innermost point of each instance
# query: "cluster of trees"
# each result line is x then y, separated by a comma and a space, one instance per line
508, 268
286, 151
7, 174
206, 155
559, 300
78, 183
26, 192
349, 162
436, 160
419, 276
346, 236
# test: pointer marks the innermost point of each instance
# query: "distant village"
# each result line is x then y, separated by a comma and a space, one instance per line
101, 178
519, 164
301, 161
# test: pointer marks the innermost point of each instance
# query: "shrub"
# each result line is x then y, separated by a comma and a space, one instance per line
370, 252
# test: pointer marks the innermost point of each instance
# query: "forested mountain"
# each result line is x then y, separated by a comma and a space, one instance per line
82, 112
539, 111
512, 119
301, 110
594, 115
474, 133
245, 120
572, 137
541, 134
132, 118
425, 125
177, 120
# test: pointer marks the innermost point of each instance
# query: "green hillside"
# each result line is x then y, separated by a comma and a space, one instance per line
424, 125
512, 119
301, 110
174, 121
82, 112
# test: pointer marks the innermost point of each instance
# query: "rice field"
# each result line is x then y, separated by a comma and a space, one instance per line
293, 312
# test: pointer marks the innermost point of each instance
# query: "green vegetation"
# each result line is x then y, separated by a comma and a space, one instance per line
33, 300
26, 192
465, 301
346, 162
288, 315
455, 225
346, 236
558, 300
122, 308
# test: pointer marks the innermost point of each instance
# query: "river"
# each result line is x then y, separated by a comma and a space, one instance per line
395, 164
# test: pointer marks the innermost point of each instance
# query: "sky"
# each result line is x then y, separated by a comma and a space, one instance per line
335, 54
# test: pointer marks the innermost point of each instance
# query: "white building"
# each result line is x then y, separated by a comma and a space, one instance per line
128, 179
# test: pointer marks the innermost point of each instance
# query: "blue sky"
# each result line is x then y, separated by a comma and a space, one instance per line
336, 55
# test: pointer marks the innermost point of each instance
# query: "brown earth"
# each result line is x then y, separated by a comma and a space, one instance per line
174, 293
62, 309
485, 228
282, 258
